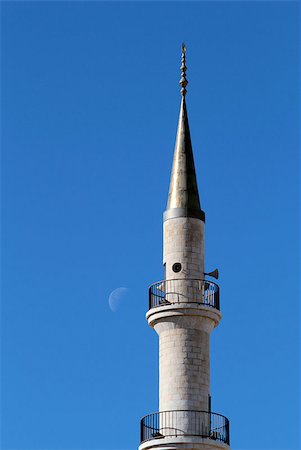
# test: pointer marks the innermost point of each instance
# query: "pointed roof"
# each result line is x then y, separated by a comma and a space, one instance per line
183, 197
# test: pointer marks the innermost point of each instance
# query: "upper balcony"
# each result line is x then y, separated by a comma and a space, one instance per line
184, 291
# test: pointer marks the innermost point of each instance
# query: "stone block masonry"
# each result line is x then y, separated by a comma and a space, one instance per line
184, 365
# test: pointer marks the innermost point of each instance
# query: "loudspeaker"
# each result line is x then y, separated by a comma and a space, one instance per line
213, 274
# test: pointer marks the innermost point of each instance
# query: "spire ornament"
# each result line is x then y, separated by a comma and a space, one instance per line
183, 80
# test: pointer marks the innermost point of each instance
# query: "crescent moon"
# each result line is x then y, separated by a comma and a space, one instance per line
116, 297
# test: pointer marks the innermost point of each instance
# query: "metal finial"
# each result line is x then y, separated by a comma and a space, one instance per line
183, 80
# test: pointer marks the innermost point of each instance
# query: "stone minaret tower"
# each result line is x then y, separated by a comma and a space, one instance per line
183, 309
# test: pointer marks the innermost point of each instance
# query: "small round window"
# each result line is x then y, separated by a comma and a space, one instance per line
177, 267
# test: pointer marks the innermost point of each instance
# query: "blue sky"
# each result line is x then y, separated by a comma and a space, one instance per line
90, 102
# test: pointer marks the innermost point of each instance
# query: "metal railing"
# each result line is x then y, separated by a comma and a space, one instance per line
185, 423
166, 292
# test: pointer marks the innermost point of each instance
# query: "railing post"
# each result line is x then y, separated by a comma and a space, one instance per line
217, 298
150, 298
227, 432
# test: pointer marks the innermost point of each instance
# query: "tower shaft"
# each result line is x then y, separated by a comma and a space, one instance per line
184, 342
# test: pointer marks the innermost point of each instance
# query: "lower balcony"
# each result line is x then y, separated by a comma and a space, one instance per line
168, 424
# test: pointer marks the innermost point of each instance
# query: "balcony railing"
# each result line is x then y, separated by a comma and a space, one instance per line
169, 292
185, 423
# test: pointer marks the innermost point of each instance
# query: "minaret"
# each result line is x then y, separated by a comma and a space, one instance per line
183, 309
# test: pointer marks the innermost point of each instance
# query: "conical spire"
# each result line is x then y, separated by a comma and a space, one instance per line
183, 197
